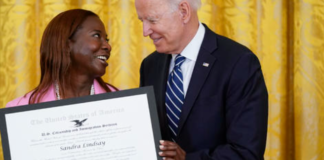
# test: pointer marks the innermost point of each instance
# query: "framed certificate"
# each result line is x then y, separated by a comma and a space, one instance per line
120, 125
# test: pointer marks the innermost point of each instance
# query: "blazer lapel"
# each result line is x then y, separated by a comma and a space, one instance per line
204, 63
162, 77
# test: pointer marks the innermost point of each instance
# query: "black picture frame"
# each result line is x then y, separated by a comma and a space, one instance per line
61, 103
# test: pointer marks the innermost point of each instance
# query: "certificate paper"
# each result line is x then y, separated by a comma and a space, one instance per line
116, 126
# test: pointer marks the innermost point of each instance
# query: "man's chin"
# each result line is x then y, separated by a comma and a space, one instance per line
162, 50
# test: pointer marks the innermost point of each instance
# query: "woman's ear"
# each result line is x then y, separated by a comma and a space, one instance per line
185, 11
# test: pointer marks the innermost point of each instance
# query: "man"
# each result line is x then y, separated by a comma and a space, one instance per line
210, 92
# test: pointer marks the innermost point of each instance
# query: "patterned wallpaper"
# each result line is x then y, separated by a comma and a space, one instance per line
286, 35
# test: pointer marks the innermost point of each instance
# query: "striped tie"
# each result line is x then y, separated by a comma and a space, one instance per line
174, 96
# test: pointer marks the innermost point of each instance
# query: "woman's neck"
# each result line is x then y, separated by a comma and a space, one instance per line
78, 86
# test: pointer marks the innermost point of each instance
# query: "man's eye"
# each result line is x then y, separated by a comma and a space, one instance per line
107, 40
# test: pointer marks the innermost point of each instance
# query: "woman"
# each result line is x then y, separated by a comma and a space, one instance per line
74, 51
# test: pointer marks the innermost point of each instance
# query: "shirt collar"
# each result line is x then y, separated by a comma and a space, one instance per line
192, 49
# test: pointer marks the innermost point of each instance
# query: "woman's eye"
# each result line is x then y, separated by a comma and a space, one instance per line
96, 35
107, 40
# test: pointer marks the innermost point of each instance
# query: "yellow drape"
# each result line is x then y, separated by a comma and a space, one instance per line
286, 35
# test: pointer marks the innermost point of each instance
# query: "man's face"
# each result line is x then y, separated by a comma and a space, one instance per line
163, 25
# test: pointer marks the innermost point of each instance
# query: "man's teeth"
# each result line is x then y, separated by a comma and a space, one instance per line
102, 57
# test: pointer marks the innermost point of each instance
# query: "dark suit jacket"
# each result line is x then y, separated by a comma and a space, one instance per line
225, 111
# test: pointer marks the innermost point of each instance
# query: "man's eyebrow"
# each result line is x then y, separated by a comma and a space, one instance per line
152, 18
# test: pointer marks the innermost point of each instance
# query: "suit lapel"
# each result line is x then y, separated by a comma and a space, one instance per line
200, 74
163, 72
162, 77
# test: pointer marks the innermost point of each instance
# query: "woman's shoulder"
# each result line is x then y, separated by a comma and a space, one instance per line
23, 100
98, 88
49, 95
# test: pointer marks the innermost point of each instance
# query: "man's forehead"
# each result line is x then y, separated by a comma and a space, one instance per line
150, 4
151, 8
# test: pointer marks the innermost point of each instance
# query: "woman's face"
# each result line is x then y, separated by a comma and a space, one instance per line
90, 49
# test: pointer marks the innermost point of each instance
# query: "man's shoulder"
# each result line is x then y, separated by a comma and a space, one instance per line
230, 44
227, 51
226, 45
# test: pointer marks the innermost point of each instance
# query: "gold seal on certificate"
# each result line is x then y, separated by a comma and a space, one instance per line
114, 126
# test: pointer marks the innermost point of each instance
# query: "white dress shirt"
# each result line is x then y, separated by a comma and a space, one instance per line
190, 52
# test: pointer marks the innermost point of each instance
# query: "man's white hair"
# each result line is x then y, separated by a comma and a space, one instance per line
195, 4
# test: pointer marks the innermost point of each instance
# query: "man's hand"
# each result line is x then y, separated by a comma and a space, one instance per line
171, 151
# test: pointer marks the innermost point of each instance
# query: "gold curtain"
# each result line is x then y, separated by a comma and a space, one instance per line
286, 35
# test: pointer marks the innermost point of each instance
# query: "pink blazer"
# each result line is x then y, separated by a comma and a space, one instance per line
50, 95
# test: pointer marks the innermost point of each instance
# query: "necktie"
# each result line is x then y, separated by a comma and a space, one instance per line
175, 96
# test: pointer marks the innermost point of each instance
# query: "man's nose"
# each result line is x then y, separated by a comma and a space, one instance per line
147, 30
